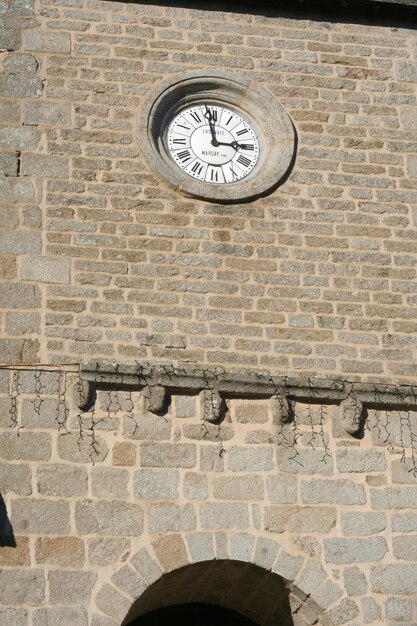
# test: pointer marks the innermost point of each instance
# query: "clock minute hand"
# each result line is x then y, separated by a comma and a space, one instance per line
209, 116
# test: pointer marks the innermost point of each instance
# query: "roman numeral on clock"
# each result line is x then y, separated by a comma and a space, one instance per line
242, 132
212, 175
243, 160
213, 114
181, 142
184, 155
197, 168
195, 116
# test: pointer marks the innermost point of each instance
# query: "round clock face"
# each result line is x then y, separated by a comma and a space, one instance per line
212, 143
216, 136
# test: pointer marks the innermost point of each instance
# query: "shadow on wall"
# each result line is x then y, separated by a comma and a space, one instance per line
394, 13
6, 530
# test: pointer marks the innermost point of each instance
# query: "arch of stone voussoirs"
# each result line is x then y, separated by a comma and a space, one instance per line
195, 567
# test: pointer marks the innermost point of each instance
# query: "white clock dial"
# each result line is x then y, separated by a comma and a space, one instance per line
212, 143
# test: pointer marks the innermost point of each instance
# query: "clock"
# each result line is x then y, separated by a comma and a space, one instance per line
216, 136
213, 142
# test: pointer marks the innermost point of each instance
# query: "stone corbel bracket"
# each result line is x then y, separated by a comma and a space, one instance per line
155, 401
282, 409
353, 414
83, 394
215, 386
213, 406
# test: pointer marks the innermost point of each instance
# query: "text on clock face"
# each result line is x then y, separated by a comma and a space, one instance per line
212, 143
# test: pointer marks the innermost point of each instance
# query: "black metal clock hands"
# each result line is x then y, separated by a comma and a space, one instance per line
235, 145
209, 116
214, 141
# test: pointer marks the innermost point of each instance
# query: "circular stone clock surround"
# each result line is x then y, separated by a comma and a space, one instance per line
275, 129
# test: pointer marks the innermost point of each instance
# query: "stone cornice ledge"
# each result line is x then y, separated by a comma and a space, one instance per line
163, 379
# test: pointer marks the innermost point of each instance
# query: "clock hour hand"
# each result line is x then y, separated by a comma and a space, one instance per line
233, 144
209, 116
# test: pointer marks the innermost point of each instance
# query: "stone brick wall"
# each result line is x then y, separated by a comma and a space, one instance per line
105, 507
294, 502
102, 259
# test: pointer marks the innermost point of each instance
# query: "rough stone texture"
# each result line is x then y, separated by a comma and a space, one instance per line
287, 565
355, 550
363, 461
238, 488
26, 447
346, 610
328, 593
219, 515
105, 551
124, 453
399, 610
17, 617
300, 519
281, 489
156, 484
56, 616
48, 42
43, 517
304, 461
241, 546
128, 581
370, 610
195, 486
16, 556
45, 270
112, 602
200, 547
71, 587
146, 566
15, 296
355, 581
168, 455
404, 523
332, 492
151, 427
108, 517
265, 553
15, 478
109, 482
63, 551
23, 323
362, 523
405, 548
171, 552
249, 459
166, 517
48, 113
72, 448
62, 480
100, 259
392, 579
22, 587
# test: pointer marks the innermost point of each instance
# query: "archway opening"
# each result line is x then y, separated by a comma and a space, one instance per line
193, 614
235, 590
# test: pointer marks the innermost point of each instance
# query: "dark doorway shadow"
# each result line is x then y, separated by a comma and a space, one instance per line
193, 614
6, 531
